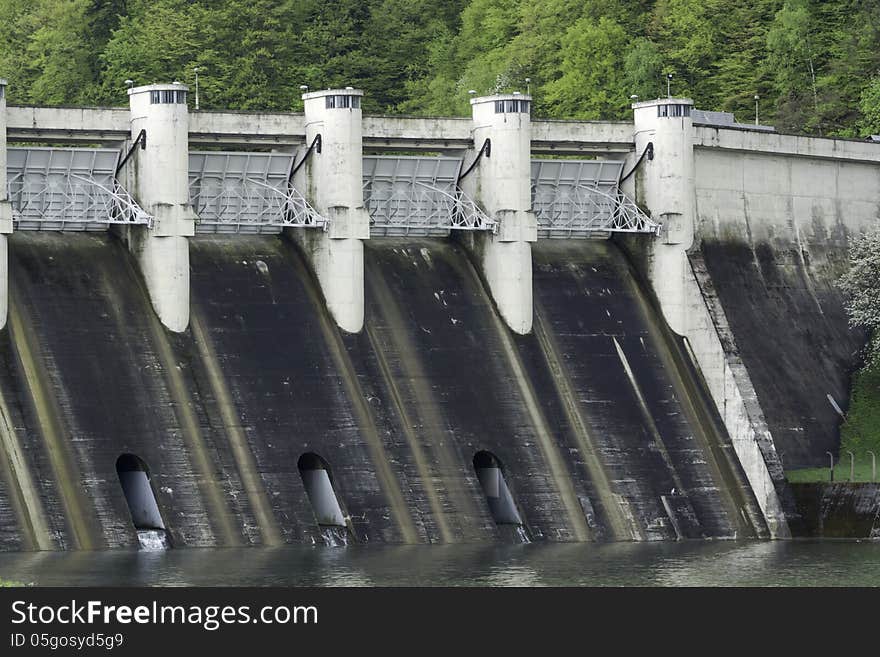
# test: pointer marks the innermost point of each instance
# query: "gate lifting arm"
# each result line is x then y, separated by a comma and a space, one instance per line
252, 202
588, 209
423, 207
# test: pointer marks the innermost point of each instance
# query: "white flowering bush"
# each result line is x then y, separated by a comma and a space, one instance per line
861, 288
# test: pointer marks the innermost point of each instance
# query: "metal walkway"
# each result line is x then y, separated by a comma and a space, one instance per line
68, 189
578, 199
418, 196
247, 193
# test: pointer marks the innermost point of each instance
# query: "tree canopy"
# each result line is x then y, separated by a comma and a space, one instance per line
815, 64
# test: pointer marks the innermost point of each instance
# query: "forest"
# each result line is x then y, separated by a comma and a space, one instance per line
814, 64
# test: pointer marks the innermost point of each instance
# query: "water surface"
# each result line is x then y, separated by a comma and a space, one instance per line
727, 563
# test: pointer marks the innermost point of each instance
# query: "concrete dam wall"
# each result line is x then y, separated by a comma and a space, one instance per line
302, 338
593, 416
774, 227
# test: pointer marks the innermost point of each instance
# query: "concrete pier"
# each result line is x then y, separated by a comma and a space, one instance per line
332, 180
5, 211
668, 190
668, 184
501, 184
158, 176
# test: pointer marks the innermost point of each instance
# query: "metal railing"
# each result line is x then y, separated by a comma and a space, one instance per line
248, 205
423, 209
580, 210
72, 202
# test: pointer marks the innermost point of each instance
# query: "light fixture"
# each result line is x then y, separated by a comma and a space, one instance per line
129, 83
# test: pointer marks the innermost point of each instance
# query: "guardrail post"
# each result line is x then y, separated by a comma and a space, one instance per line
158, 178
5, 211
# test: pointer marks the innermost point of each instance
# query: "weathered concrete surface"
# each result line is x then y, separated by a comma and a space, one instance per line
765, 143
281, 365
68, 124
791, 332
618, 385
286, 130
87, 376
839, 510
712, 342
439, 366
222, 412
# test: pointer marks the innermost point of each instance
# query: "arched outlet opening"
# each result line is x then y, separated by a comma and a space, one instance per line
318, 482
134, 477
502, 506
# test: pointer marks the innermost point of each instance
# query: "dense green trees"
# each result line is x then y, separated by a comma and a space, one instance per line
815, 64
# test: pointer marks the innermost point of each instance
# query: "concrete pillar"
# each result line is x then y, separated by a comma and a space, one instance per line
5, 211
501, 184
667, 189
332, 181
158, 178
666, 186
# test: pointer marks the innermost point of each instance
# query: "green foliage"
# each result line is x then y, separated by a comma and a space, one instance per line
861, 431
870, 107
814, 63
860, 289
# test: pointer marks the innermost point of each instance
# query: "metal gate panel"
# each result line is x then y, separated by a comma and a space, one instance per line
580, 199
418, 196
69, 189
246, 193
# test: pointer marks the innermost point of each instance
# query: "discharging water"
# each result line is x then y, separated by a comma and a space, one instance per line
743, 563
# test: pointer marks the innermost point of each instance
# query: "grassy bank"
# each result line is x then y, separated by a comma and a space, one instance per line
859, 434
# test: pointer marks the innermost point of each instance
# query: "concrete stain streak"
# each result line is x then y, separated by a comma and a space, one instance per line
244, 458
363, 416
62, 462
730, 487
622, 524
550, 451
648, 418
208, 485
421, 462
26, 497
427, 406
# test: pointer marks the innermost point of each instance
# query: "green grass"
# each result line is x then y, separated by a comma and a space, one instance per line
860, 433
6, 582
841, 472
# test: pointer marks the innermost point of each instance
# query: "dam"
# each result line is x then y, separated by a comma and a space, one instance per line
235, 329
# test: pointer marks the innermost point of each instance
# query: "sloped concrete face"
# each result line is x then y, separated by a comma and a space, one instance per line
88, 370
607, 364
791, 332
594, 416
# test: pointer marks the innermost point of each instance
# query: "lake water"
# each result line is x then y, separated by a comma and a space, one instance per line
764, 563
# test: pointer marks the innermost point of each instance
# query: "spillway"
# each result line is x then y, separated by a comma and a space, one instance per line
598, 415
